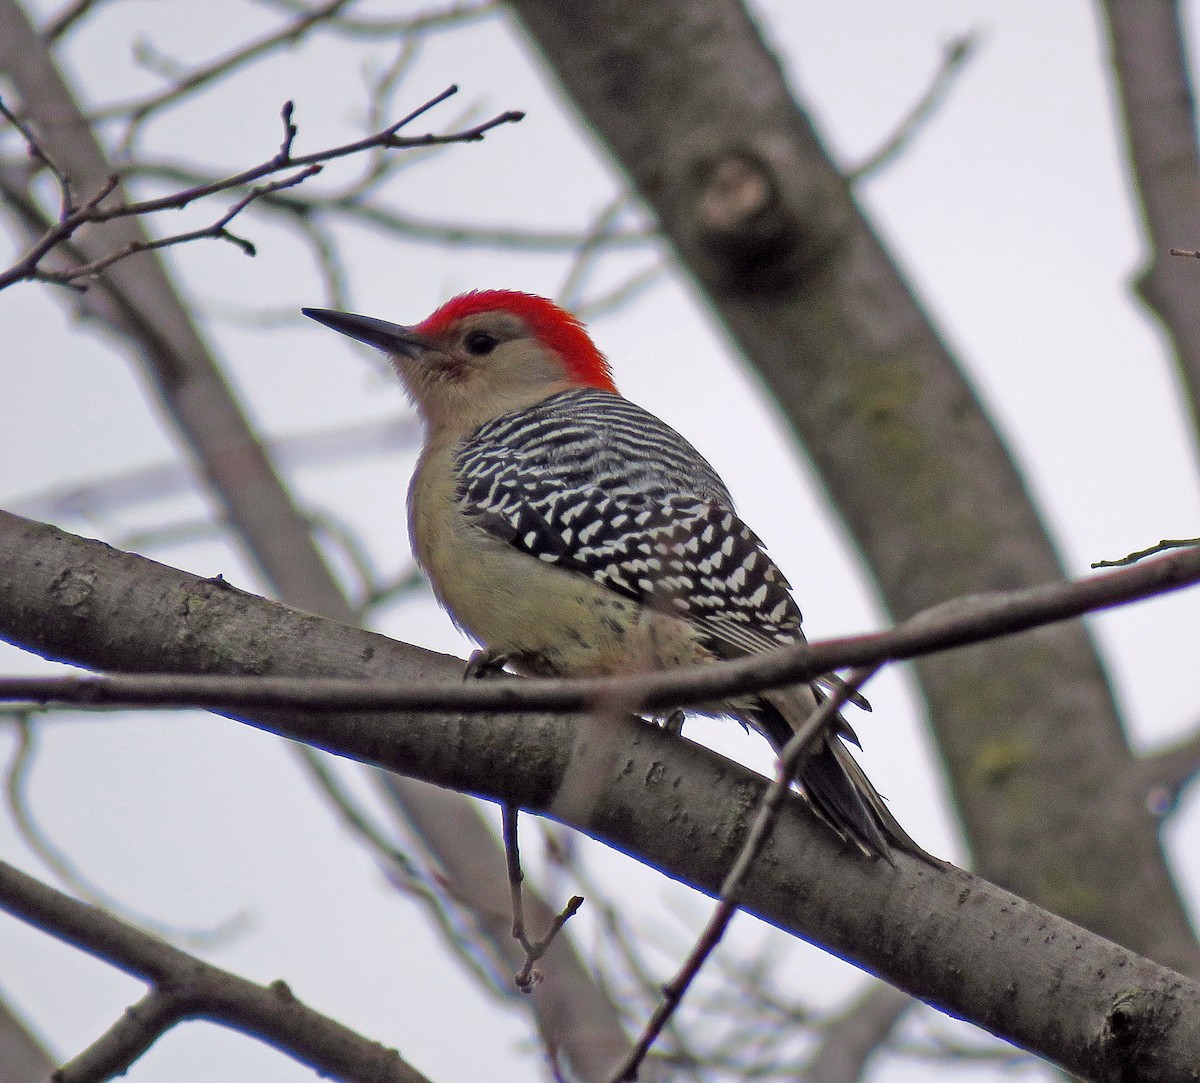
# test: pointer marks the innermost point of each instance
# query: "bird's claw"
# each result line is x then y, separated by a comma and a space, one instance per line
485, 664
673, 723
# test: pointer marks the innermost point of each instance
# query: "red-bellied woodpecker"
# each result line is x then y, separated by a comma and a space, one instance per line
575, 534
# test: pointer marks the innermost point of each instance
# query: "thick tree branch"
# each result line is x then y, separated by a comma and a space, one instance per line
184, 987
694, 107
941, 934
962, 622
25, 1058
1158, 112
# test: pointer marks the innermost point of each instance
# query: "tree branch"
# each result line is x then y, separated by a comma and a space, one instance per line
98, 208
941, 934
184, 987
954, 59
1164, 775
378, 216
790, 761
65, 870
1158, 111
958, 623
852, 1039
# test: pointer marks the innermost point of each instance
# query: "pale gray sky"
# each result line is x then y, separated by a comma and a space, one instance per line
1011, 214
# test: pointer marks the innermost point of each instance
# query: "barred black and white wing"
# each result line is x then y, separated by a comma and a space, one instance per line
590, 482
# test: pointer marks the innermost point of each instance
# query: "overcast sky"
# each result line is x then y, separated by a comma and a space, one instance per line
1010, 213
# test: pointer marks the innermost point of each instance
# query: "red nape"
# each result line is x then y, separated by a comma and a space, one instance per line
554, 327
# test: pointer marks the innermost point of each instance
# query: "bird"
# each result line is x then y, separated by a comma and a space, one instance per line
574, 534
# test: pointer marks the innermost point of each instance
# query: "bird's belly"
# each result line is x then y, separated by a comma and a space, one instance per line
551, 621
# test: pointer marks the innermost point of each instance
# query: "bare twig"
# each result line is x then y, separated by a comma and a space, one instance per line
393, 590
328, 15
954, 59
571, 291
527, 977
66, 19
388, 29
401, 870
216, 231
39, 841
343, 204
145, 484
790, 760
962, 622
188, 83
96, 209
1153, 550
184, 987
40, 154
624, 292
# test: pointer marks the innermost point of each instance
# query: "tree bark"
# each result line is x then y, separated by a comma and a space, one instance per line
941, 934
1158, 112
694, 107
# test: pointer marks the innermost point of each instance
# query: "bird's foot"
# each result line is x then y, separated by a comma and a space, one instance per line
673, 723
485, 664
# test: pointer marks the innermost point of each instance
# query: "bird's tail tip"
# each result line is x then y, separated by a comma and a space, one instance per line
840, 793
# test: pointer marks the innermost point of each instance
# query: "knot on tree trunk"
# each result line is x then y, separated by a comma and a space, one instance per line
747, 224
1131, 1034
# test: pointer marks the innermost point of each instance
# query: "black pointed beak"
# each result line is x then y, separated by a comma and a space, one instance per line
390, 337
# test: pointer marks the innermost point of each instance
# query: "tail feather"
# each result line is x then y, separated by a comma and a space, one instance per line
836, 786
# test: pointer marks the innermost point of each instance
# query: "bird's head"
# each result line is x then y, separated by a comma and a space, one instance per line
482, 354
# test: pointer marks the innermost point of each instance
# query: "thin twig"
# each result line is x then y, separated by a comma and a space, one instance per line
216, 231
527, 977
1154, 550
146, 484
954, 59
16, 787
388, 29
790, 760
185, 84
94, 211
66, 19
374, 215
624, 292
402, 872
39, 153
962, 622
570, 293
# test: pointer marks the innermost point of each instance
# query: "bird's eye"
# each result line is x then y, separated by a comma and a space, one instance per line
480, 343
